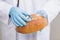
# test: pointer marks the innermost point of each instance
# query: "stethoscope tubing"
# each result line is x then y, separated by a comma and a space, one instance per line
17, 3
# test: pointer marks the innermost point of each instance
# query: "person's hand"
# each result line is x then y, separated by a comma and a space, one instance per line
43, 13
19, 17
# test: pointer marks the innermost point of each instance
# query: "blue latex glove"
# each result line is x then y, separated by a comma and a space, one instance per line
19, 17
43, 13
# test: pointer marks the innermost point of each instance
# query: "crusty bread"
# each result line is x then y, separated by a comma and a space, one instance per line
37, 23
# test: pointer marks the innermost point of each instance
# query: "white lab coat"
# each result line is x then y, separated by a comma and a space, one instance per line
52, 7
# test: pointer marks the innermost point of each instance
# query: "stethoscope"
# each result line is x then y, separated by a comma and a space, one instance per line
28, 17
17, 3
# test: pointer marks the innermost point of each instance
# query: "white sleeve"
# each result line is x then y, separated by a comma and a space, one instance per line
52, 8
5, 7
4, 12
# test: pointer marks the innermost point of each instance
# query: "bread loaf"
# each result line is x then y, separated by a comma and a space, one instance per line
37, 23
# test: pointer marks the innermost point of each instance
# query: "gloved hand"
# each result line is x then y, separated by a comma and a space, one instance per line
44, 14
19, 17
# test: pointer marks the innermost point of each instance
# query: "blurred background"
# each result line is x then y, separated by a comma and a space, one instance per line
55, 29
0, 31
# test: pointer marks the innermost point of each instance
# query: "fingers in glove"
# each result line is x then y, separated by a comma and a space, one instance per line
20, 20
17, 22
14, 22
25, 18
